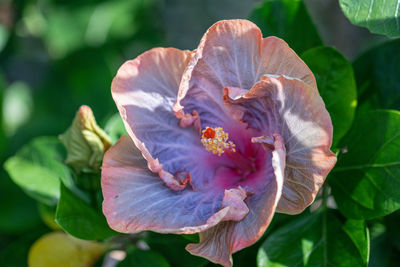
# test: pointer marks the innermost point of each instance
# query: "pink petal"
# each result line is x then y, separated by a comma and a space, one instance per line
136, 199
296, 111
144, 90
219, 242
233, 53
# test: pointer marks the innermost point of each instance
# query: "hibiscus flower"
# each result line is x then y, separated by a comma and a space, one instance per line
220, 139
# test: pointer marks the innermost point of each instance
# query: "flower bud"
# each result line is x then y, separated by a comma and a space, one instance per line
85, 142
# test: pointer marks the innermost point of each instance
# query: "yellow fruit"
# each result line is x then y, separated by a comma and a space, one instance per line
62, 250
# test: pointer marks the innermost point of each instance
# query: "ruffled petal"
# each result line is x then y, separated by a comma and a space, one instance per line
233, 53
136, 199
219, 242
296, 111
144, 90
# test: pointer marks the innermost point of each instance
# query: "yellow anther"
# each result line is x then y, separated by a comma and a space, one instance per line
216, 140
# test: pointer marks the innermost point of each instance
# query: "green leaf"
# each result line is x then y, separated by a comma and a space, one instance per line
318, 239
143, 259
79, 219
289, 20
115, 127
172, 247
366, 180
358, 233
336, 84
38, 167
377, 74
379, 16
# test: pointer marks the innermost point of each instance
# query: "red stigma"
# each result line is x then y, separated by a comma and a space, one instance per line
209, 133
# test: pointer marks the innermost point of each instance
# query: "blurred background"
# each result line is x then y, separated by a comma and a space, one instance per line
56, 55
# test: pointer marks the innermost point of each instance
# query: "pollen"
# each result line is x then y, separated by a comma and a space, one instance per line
216, 140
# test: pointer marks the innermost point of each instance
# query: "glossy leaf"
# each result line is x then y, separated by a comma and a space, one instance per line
143, 259
336, 84
319, 239
79, 219
38, 167
377, 73
359, 234
289, 20
379, 16
366, 179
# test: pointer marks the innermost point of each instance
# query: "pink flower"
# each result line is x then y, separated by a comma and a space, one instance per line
219, 140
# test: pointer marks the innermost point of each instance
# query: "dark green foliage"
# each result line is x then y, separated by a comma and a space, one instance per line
172, 247
323, 238
289, 20
378, 77
79, 219
144, 259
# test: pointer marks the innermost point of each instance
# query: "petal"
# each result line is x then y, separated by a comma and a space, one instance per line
233, 53
136, 199
144, 90
219, 242
296, 111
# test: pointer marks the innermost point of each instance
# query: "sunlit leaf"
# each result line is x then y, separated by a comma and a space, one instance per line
379, 16
38, 168
358, 233
366, 179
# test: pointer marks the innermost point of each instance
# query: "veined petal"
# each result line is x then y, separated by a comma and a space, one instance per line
136, 199
233, 53
219, 242
296, 111
144, 90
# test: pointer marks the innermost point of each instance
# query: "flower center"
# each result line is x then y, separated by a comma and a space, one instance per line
216, 140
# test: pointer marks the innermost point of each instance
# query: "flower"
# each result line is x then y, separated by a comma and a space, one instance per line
220, 139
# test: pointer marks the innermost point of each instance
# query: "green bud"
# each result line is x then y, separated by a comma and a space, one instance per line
85, 142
